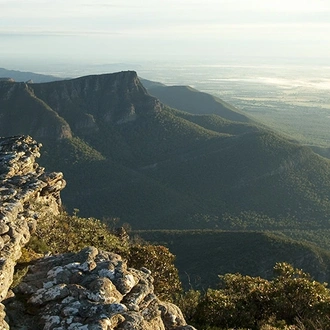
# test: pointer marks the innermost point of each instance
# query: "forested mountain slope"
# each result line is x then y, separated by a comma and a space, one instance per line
191, 100
125, 154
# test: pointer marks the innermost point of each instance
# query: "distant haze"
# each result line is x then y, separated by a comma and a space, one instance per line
36, 32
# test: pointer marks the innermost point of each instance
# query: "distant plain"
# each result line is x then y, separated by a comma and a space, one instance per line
292, 99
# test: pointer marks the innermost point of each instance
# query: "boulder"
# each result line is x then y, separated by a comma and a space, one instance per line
91, 289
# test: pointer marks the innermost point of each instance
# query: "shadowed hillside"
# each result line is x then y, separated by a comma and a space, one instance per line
23, 113
247, 253
193, 101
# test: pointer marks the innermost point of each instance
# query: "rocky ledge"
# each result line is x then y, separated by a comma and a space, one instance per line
92, 289
26, 192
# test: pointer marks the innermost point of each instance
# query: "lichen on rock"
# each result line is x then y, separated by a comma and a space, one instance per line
92, 300
22, 201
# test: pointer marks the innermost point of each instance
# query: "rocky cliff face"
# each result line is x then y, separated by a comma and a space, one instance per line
83, 105
26, 193
91, 289
109, 98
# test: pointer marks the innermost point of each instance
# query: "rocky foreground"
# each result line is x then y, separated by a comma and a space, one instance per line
92, 289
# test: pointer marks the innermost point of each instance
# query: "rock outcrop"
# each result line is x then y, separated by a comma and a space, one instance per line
92, 289
26, 193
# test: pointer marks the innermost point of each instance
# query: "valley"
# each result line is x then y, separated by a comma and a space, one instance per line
156, 158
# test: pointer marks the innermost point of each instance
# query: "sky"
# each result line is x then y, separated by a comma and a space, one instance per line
99, 32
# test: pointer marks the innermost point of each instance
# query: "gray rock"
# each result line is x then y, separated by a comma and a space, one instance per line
95, 301
22, 183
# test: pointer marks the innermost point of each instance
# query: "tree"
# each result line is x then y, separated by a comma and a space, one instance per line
297, 298
160, 261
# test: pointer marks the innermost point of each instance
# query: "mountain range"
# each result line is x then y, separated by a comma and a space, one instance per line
23, 76
142, 153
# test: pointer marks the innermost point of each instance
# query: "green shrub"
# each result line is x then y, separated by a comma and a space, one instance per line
160, 261
188, 302
292, 300
66, 233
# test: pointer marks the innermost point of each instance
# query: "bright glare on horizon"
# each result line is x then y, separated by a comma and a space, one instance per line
164, 30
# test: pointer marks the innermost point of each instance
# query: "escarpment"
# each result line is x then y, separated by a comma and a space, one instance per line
91, 289
92, 102
82, 106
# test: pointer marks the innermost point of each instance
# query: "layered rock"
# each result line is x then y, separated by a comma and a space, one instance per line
26, 193
92, 289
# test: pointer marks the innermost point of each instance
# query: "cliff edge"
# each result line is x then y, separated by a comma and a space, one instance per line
26, 193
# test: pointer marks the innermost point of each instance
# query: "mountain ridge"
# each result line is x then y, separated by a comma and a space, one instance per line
217, 166
193, 101
23, 76
120, 93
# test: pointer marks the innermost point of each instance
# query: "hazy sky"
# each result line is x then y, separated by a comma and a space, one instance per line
164, 30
